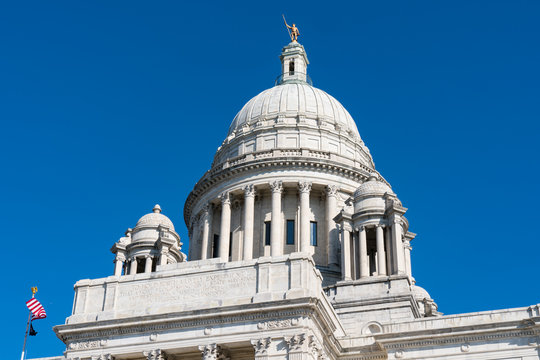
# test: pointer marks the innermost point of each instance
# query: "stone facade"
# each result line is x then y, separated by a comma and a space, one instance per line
299, 249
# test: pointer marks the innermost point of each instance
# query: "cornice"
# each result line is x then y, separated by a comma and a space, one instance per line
216, 176
285, 311
401, 341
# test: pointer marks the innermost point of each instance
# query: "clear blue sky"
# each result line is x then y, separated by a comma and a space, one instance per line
108, 107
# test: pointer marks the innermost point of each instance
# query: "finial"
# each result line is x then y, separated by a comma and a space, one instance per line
293, 31
156, 209
34, 290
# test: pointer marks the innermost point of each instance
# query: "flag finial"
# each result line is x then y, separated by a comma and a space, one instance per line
34, 290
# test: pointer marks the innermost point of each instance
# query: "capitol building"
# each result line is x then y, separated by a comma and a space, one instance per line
299, 249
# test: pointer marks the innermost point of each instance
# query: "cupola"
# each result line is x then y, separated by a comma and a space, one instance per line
152, 242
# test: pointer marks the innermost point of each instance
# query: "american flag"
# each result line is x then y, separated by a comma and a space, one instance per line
38, 312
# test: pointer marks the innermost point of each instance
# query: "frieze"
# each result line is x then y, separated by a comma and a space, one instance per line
277, 324
184, 289
84, 345
457, 339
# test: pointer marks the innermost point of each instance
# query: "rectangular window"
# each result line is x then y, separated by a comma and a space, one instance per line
313, 226
290, 232
267, 227
215, 246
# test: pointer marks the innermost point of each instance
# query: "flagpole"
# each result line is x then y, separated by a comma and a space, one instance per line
34, 291
26, 334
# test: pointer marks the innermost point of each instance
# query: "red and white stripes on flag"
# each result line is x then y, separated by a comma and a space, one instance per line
38, 312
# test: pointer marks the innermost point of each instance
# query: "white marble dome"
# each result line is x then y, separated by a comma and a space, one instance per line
372, 187
155, 218
292, 100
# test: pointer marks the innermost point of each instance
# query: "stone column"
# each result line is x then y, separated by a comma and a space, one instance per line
276, 238
345, 253
397, 248
132, 266
206, 218
148, 264
305, 189
249, 215
163, 256
155, 355
261, 348
381, 255
388, 241
331, 231
225, 229
119, 264
355, 256
407, 253
364, 261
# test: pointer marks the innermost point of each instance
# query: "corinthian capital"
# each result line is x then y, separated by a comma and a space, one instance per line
276, 186
331, 190
225, 198
155, 355
210, 351
261, 346
296, 342
304, 186
249, 190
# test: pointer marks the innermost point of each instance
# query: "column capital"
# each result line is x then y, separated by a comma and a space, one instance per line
249, 190
210, 351
102, 357
331, 190
157, 354
148, 256
206, 209
225, 198
360, 228
276, 186
296, 342
261, 346
382, 226
304, 186
120, 257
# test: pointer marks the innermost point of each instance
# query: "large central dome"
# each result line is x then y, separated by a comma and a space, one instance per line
295, 118
293, 100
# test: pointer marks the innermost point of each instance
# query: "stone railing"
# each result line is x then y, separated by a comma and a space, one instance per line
198, 285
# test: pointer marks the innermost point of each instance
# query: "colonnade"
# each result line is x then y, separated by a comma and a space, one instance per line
130, 266
389, 258
277, 238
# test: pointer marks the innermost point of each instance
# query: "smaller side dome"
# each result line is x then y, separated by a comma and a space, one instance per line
155, 218
372, 187
152, 243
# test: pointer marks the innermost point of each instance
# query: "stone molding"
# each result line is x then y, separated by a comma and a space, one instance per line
456, 339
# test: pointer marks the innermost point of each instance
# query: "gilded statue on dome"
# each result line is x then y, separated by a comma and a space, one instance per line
292, 30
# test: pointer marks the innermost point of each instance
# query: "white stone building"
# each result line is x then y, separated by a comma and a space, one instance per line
299, 250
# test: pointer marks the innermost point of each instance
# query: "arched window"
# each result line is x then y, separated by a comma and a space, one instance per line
291, 68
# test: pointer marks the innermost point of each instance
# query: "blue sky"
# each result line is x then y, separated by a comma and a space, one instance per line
110, 107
